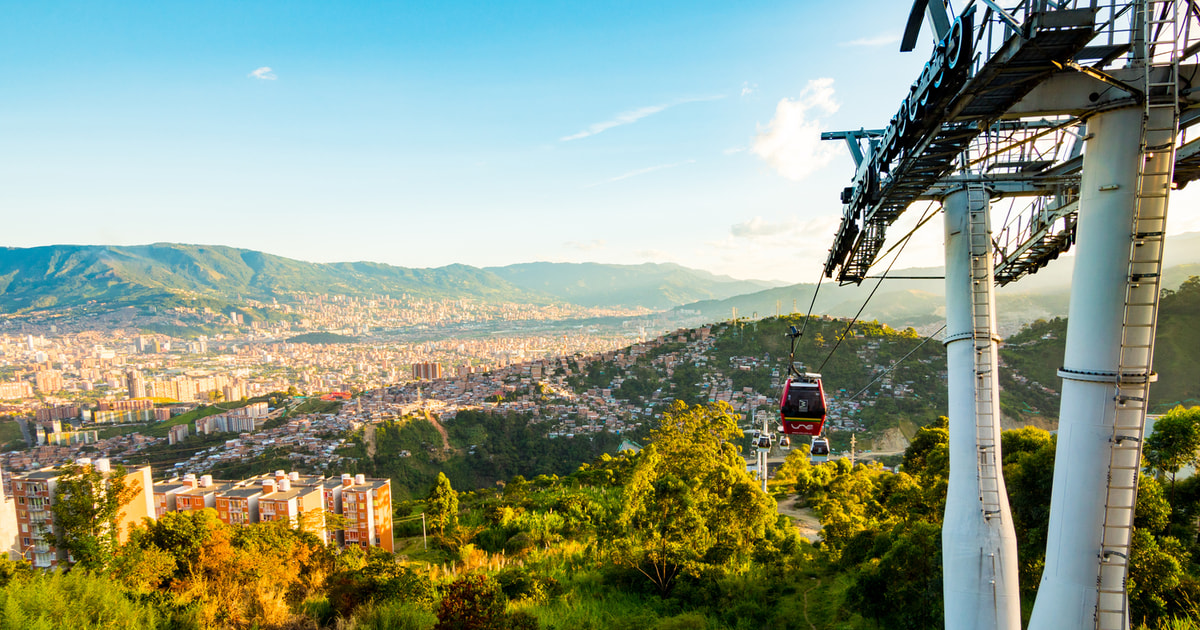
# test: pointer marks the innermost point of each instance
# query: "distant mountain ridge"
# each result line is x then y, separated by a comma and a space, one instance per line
921, 302
595, 284
68, 275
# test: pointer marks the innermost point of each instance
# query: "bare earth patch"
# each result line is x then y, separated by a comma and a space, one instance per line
804, 519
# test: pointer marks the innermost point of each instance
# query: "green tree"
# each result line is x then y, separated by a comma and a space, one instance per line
689, 502
87, 509
1175, 442
441, 506
181, 534
903, 589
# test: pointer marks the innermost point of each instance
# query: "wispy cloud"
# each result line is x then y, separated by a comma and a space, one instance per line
632, 116
640, 171
791, 142
779, 248
878, 40
734, 150
655, 255
263, 73
749, 88
585, 246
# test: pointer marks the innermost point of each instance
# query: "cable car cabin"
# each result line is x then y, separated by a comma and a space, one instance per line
763, 443
802, 407
819, 451
785, 442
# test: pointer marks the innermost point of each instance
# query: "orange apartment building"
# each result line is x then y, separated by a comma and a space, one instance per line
366, 505
33, 494
367, 508
239, 505
199, 493
284, 502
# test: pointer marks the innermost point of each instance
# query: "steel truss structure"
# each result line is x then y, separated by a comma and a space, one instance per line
1074, 119
1035, 64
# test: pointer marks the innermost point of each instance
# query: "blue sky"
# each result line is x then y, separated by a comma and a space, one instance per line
424, 134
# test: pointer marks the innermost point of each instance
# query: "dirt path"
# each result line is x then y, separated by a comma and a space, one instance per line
369, 437
440, 429
806, 619
807, 522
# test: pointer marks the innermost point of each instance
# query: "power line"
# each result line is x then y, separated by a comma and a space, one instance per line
896, 363
901, 245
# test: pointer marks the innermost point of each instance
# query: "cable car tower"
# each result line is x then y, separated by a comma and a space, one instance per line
1078, 116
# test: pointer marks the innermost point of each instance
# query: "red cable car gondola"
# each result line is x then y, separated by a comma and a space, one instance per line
802, 407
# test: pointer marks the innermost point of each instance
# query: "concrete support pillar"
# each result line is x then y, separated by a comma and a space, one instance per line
979, 554
1066, 598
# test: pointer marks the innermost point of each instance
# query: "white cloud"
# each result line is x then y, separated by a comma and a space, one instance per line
735, 150
878, 40
758, 227
749, 88
640, 171
585, 246
790, 249
786, 231
655, 255
791, 142
632, 116
263, 73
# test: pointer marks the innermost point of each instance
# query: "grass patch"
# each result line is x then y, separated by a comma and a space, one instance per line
10, 431
316, 405
161, 429
109, 432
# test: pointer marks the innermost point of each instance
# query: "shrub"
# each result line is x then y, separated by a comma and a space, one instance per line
473, 602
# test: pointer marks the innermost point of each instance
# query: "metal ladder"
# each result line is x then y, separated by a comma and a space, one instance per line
983, 337
1156, 164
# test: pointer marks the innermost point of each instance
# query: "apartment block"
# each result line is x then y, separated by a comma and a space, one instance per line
199, 493
239, 505
57, 412
13, 390
426, 371
367, 508
164, 496
33, 493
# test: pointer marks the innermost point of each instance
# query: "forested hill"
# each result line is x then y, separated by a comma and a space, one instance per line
63, 275
67, 275
1032, 358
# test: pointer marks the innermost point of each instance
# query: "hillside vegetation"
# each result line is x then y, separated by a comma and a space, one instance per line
1030, 381
677, 536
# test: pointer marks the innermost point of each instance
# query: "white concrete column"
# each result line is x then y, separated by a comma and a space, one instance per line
1066, 598
979, 555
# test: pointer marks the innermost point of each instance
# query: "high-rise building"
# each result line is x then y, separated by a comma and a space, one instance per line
48, 381
426, 371
135, 383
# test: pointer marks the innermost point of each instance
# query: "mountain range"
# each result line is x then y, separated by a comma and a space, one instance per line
166, 273
68, 275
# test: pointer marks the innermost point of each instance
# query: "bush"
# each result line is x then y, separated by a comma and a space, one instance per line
473, 602
75, 600
521, 583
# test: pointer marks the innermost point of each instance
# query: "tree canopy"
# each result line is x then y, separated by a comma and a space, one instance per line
87, 509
